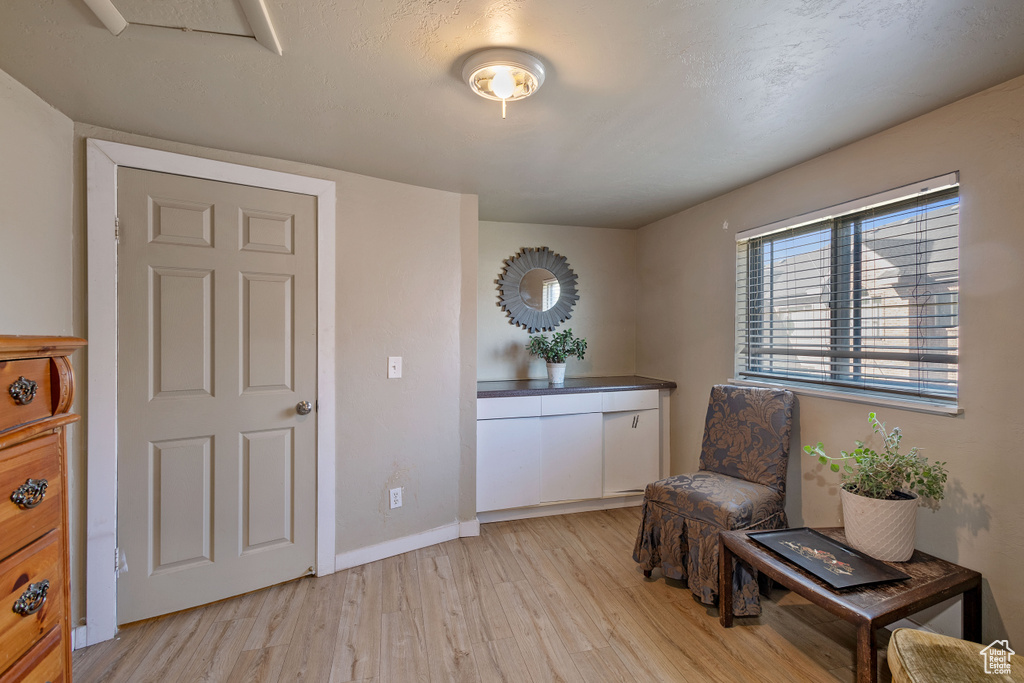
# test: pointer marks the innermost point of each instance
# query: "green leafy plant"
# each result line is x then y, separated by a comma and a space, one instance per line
558, 348
881, 475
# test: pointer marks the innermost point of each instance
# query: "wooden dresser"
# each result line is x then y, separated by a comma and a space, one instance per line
36, 390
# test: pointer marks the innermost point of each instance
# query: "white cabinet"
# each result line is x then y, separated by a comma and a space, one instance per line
510, 406
508, 453
632, 458
551, 448
570, 404
570, 461
632, 434
614, 401
531, 460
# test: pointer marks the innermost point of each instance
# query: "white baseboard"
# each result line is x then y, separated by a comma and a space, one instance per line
78, 640
560, 508
354, 558
450, 532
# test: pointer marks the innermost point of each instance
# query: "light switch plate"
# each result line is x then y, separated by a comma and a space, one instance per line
394, 367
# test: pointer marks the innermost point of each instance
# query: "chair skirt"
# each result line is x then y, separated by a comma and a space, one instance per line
686, 548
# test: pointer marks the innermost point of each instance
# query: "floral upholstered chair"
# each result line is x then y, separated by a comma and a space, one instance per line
741, 485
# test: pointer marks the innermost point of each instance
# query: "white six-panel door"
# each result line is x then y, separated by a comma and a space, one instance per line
216, 347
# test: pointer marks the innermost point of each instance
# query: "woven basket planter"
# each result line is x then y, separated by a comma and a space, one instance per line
883, 529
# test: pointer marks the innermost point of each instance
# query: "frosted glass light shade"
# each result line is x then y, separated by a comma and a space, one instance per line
503, 74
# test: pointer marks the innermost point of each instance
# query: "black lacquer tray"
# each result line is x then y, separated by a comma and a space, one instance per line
836, 564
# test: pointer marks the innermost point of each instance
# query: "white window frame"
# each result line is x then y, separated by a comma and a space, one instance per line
855, 395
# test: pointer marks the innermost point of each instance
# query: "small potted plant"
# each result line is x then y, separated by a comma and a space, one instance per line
556, 350
881, 491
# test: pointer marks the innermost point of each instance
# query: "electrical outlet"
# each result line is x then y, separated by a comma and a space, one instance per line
396, 498
394, 367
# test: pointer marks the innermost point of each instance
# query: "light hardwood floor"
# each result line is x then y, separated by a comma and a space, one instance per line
548, 599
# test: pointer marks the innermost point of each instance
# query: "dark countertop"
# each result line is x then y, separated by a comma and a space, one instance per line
572, 385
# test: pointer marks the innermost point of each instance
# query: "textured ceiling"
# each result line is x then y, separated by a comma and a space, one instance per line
649, 106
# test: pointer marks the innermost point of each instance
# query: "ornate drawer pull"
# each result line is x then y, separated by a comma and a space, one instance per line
32, 599
23, 391
29, 494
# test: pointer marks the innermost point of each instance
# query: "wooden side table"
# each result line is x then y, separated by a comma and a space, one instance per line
868, 607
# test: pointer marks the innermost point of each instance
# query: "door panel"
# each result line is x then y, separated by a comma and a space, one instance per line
216, 345
270, 232
182, 504
266, 332
180, 222
268, 460
182, 333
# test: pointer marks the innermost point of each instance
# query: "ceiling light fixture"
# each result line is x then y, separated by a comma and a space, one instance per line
503, 74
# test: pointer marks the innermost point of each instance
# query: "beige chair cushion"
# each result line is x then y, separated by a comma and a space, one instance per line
922, 657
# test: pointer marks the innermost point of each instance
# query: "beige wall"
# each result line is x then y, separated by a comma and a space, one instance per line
685, 331
35, 214
394, 241
604, 261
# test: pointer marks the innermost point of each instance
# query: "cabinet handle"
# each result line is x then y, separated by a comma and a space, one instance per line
22, 391
32, 599
29, 494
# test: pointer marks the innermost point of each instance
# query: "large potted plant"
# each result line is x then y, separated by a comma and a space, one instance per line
556, 350
881, 491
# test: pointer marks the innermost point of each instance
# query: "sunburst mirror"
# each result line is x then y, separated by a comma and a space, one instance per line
537, 289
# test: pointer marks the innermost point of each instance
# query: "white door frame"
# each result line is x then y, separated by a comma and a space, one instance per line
102, 161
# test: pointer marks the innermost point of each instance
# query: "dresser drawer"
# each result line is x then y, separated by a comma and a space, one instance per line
43, 663
36, 460
30, 380
41, 561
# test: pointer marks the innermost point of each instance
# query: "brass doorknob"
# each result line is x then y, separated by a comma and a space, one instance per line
303, 407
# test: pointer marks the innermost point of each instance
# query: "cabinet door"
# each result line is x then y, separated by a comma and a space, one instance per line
507, 463
631, 451
571, 457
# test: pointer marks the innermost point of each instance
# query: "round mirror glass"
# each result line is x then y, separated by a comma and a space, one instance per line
539, 289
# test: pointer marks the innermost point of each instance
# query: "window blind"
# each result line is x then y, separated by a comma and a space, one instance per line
865, 300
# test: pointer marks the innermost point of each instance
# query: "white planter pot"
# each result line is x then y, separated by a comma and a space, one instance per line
556, 373
883, 529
